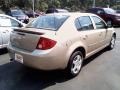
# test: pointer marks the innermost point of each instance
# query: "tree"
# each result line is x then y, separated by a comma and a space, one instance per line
4, 5
72, 5
42, 6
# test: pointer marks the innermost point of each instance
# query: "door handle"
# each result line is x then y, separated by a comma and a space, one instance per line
4, 32
100, 34
85, 37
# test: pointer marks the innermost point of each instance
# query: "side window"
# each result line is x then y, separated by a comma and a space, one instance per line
86, 23
5, 21
98, 22
14, 23
100, 12
77, 24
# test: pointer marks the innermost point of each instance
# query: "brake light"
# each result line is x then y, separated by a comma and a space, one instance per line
45, 43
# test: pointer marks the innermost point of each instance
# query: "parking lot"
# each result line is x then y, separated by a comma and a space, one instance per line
100, 72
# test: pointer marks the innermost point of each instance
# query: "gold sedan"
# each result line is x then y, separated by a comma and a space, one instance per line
60, 41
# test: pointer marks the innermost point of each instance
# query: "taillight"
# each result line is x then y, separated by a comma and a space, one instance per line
45, 43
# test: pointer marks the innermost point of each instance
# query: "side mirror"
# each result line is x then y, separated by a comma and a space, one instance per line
109, 24
20, 25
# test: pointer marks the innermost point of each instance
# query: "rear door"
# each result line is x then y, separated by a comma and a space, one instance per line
87, 34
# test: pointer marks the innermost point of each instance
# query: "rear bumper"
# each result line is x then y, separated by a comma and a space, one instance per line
48, 60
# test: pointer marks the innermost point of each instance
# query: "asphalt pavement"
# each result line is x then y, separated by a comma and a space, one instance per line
100, 72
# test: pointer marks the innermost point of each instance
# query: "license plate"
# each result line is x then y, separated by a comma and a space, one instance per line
19, 58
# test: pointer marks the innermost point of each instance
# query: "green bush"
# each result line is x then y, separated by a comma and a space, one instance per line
116, 7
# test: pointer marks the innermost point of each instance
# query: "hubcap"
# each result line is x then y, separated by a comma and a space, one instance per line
77, 63
112, 42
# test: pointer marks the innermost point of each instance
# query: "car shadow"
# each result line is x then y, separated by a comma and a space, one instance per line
14, 76
92, 58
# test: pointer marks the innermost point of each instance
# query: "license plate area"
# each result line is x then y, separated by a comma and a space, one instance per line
19, 58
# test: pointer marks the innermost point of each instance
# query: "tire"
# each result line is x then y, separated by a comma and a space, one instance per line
75, 64
112, 43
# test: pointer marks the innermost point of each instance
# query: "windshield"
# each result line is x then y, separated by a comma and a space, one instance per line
109, 11
51, 22
17, 12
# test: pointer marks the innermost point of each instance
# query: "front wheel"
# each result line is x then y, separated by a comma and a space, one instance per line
112, 42
75, 63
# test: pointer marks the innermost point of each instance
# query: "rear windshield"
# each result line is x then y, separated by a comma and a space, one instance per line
109, 11
51, 22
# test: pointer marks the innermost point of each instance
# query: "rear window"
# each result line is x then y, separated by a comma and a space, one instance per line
92, 10
50, 22
17, 12
109, 11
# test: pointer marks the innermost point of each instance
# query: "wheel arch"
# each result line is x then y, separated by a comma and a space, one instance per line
79, 48
82, 49
68, 68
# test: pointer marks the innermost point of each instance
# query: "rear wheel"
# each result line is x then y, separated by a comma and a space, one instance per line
75, 63
112, 42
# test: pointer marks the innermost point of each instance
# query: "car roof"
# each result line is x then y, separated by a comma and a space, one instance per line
100, 8
108, 8
16, 10
73, 14
6, 15
62, 9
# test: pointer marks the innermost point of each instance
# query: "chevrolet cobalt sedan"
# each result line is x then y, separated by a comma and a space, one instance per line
60, 41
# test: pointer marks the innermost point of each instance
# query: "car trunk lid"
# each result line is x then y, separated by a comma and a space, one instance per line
27, 38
